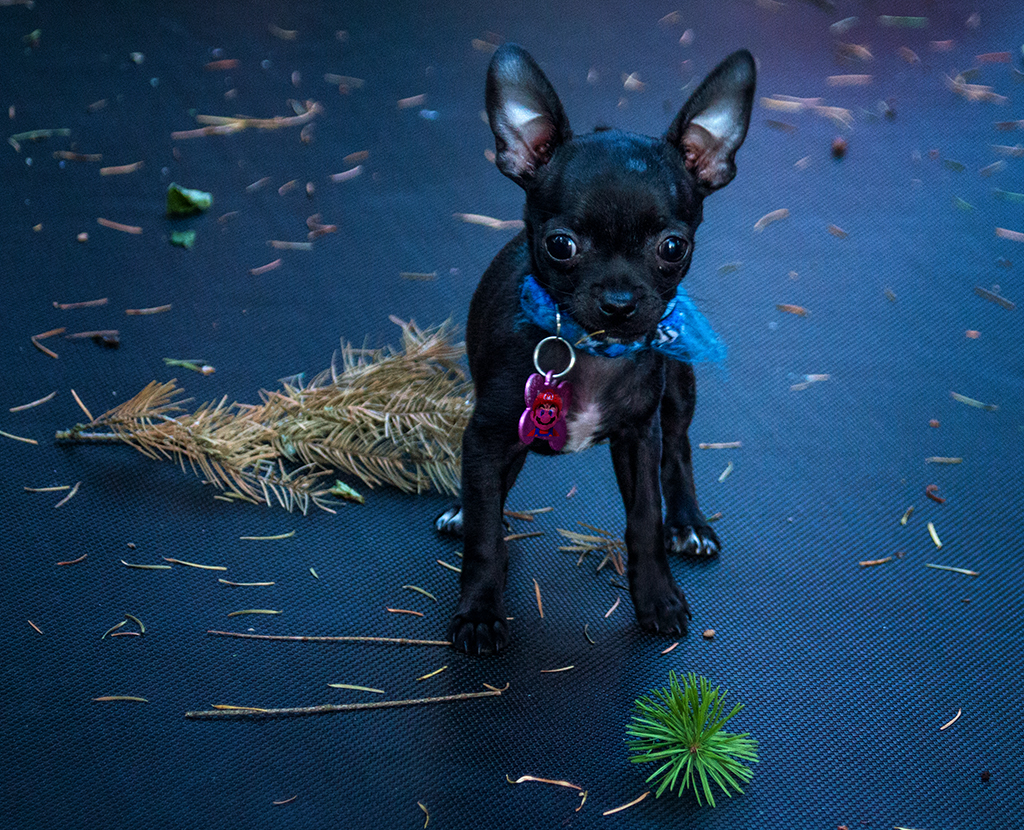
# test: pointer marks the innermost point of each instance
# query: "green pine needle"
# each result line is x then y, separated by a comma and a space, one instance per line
680, 728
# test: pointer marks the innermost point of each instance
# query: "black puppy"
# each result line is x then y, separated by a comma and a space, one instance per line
610, 221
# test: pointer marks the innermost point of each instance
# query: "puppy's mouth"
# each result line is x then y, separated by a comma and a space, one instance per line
620, 326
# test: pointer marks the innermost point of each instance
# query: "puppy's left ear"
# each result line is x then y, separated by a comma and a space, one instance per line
526, 116
711, 126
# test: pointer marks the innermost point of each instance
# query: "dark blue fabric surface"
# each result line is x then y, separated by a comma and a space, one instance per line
847, 673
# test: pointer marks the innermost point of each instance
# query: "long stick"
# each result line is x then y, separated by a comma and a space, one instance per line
332, 708
395, 641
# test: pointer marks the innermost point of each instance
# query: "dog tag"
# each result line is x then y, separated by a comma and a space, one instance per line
547, 403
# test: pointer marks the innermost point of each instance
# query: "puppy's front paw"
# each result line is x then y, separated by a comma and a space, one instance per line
479, 630
690, 540
662, 610
450, 522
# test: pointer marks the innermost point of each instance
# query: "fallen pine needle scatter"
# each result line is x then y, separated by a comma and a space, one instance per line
632, 803
988, 407
287, 535
869, 562
263, 269
963, 571
18, 438
82, 406
246, 584
157, 309
121, 169
395, 641
956, 717
254, 611
69, 496
419, 590
39, 402
355, 688
489, 221
194, 565
117, 226
992, 297
328, 709
513, 536
555, 671
768, 218
37, 337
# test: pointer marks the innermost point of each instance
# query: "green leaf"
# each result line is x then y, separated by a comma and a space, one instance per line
183, 239
184, 202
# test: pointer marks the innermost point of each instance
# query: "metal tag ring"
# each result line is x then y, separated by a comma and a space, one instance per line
572, 356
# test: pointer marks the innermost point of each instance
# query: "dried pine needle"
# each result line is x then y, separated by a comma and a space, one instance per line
246, 584
963, 571
69, 496
615, 605
522, 779
432, 674
394, 641
114, 628
121, 697
426, 812
540, 605
555, 671
330, 709
939, 459
990, 407
768, 218
670, 648
36, 627
254, 611
403, 611
18, 438
513, 536
73, 561
721, 445
138, 622
726, 472
586, 633
419, 590
48, 489
867, 563
39, 402
632, 803
956, 717
284, 801
146, 567
906, 516
355, 688
267, 538
934, 534
449, 567
194, 565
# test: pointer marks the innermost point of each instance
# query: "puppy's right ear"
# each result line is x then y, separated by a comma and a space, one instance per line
526, 116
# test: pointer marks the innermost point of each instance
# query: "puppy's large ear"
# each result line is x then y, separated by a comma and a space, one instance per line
712, 125
526, 116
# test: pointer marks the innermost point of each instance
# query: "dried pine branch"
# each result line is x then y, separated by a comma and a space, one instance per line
387, 417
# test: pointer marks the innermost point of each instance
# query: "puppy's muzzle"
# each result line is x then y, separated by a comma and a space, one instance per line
618, 306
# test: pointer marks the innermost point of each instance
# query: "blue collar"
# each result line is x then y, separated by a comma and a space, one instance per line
683, 333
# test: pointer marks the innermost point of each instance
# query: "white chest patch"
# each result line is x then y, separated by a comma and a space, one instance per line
583, 425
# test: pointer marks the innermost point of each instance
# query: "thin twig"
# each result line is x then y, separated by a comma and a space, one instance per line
332, 708
395, 641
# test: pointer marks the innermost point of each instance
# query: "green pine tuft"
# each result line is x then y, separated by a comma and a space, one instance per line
680, 728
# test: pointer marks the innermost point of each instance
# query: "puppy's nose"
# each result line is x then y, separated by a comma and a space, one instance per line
618, 304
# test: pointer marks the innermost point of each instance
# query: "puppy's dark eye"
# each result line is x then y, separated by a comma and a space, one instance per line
560, 246
673, 249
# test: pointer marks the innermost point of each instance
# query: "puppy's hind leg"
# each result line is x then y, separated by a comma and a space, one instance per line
687, 532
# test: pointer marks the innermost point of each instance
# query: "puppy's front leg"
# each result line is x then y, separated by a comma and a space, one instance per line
659, 604
490, 464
